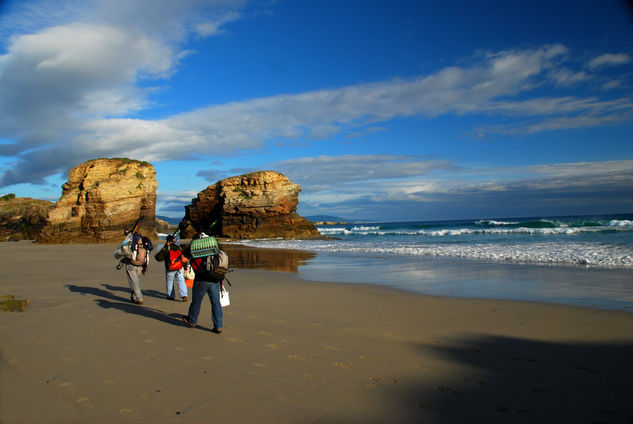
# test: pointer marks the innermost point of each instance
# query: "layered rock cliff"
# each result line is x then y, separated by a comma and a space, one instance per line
103, 198
256, 205
22, 218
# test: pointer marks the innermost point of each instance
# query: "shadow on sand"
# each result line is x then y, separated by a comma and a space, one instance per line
108, 300
511, 380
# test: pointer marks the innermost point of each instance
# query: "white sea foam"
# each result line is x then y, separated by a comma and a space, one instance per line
621, 223
493, 222
330, 231
594, 255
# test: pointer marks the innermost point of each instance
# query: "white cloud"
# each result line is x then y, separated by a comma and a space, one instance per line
69, 88
408, 177
609, 59
566, 77
517, 190
318, 173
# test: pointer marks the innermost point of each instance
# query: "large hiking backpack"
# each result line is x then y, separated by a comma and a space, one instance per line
212, 267
139, 256
174, 259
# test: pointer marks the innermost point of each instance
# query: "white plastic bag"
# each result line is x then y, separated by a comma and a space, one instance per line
189, 273
224, 297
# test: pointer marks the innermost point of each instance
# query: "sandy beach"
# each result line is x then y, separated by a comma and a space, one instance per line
294, 351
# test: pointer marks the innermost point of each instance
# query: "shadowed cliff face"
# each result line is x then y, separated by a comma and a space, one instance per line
257, 205
22, 218
101, 199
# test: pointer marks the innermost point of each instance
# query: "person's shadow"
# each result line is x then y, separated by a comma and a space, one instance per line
107, 299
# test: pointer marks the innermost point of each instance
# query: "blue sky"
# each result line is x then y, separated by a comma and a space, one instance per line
380, 110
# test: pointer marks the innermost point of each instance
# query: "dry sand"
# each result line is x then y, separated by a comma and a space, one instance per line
294, 352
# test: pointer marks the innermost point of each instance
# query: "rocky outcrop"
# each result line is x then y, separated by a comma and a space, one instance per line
103, 198
257, 205
165, 227
22, 218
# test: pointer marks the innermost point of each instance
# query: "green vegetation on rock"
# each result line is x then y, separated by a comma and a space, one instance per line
9, 303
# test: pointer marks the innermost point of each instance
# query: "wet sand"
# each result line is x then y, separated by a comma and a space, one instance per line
294, 351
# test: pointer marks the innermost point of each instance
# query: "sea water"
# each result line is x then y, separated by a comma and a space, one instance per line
579, 260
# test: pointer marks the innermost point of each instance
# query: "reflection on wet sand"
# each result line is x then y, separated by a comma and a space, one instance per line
269, 259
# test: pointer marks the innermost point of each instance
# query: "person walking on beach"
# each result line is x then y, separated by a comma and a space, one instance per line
136, 265
171, 254
206, 282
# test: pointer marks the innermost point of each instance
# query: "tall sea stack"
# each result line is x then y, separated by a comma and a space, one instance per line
257, 205
103, 198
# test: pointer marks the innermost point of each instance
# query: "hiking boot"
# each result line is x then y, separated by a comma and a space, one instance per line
217, 330
185, 319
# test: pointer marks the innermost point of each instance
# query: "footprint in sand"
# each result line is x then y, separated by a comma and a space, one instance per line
335, 348
260, 365
272, 346
473, 349
425, 405
85, 402
380, 380
298, 357
314, 377
367, 358
125, 411
416, 365
236, 340
264, 333
342, 365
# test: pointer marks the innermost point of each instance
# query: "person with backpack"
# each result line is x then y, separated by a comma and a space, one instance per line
171, 254
210, 272
136, 265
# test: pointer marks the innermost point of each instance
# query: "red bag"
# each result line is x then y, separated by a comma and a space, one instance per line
174, 262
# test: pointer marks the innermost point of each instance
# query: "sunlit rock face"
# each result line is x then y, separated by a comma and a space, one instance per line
256, 205
103, 198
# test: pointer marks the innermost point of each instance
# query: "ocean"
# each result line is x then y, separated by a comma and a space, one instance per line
577, 260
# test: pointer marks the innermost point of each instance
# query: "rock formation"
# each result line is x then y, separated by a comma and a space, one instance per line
165, 227
257, 205
22, 218
103, 198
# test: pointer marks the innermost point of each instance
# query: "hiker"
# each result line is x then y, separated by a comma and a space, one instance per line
206, 282
172, 255
136, 265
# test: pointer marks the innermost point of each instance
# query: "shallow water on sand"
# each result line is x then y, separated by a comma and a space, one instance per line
579, 286
567, 285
